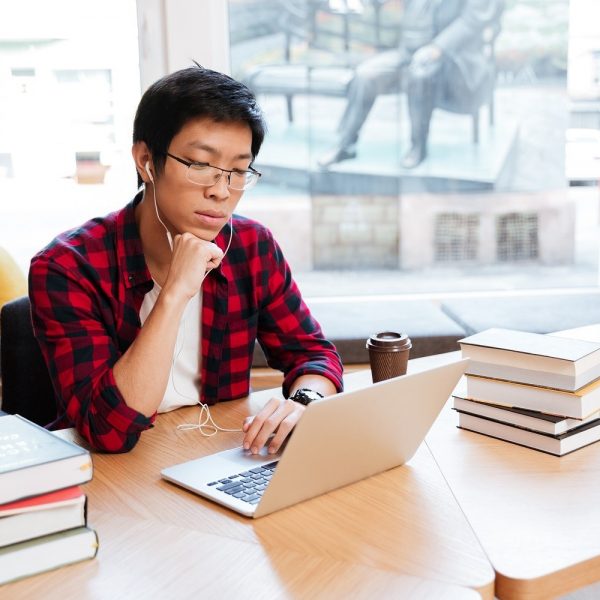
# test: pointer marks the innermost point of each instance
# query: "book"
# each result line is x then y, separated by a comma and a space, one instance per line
42, 502
521, 417
558, 445
33, 461
533, 358
580, 404
47, 553
42, 515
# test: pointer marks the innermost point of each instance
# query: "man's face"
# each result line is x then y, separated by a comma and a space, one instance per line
203, 210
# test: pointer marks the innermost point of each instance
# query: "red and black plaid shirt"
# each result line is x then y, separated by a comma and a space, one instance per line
86, 290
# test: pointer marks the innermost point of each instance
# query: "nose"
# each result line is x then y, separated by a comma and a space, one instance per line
220, 189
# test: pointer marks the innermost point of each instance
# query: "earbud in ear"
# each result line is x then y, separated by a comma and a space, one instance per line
147, 167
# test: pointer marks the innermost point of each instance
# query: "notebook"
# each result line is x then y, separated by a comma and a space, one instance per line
339, 440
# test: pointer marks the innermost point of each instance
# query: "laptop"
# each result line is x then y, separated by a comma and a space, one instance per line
339, 440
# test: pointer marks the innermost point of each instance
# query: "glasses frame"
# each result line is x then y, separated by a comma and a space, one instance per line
192, 163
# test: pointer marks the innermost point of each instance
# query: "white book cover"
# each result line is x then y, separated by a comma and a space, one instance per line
536, 344
534, 397
34, 523
34, 461
46, 553
536, 359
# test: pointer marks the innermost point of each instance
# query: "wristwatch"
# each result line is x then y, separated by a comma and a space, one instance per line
305, 396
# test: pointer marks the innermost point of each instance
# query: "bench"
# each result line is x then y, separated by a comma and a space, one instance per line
290, 80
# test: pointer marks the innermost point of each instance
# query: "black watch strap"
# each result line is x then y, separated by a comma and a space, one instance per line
305, 396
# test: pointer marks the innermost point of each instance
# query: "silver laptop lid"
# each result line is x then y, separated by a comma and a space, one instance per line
350, 436
339, 440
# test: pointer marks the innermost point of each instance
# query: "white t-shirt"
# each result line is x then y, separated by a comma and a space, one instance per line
183, 387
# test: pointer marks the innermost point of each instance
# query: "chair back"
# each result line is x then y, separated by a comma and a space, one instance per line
26, 385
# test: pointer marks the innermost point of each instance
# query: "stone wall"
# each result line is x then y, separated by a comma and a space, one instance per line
355, 232
492, 228
289, 218
415, 231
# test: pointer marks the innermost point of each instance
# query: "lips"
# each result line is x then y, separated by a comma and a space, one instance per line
212, 213
211, 218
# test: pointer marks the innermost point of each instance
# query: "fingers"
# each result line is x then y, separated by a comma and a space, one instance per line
192, 258
262, 422
425, 56
284, 429
214, 254
276, 416
214, 261
210, 251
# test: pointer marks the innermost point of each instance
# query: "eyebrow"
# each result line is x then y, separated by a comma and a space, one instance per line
201, 146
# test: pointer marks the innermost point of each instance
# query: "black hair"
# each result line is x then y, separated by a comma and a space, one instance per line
192, 93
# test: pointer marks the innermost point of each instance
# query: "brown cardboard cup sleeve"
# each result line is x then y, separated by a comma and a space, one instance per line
388, 354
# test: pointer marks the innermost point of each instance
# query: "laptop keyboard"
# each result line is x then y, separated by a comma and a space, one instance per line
248, 485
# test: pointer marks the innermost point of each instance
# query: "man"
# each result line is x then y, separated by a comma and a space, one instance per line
440, 57
136, 310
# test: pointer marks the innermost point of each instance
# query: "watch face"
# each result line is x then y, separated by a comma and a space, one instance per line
305, 396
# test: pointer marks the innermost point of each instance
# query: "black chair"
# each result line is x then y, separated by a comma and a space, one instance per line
26, 386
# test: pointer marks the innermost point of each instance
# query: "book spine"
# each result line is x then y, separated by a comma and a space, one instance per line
558, 381
514, 394
47, 553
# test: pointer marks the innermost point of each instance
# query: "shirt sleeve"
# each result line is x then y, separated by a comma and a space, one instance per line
73, 330
290, 337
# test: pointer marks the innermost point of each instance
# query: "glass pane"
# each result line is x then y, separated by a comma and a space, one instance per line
69, 85
439, 145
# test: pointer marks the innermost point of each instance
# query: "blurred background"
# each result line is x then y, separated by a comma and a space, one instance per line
507, 197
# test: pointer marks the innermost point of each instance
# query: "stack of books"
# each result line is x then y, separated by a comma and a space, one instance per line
536, 390
43, 520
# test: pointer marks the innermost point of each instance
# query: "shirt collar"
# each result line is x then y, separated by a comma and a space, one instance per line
222, 240
132, 262
130, 253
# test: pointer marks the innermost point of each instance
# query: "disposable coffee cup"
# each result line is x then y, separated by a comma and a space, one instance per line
388, 354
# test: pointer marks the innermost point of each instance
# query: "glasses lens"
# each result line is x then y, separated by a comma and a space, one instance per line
242, 180
203, 175
207, 175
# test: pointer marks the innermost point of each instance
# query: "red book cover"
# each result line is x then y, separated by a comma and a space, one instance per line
43, 501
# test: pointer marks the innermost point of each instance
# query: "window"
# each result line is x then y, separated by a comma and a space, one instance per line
69, 85
456, 237
517, 237
451, 164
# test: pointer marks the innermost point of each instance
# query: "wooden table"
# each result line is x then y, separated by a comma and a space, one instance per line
141, 558
398, 534
537, 516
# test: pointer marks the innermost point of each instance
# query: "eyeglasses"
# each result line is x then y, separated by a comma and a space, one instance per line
205, 174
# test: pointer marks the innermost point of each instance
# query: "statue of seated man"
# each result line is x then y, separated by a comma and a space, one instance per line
440, 57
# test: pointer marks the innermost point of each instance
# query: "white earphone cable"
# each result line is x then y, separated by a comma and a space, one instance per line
206, 424
169, 236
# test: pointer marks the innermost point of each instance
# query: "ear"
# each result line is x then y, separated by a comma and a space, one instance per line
141, 155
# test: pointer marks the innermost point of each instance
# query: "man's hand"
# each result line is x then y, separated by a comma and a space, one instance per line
277, 416
425, 59
191, 258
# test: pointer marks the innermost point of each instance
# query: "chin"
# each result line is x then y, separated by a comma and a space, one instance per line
207, 234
